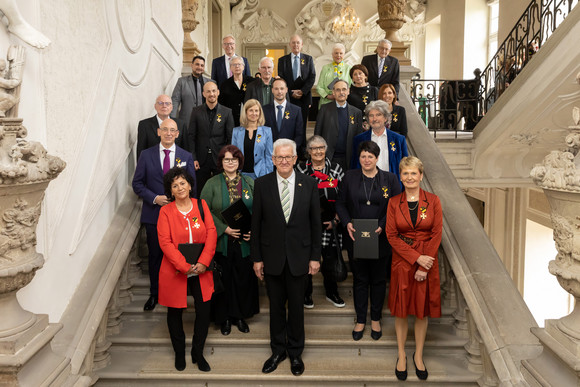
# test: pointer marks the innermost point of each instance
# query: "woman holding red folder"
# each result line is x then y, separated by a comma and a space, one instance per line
179, 222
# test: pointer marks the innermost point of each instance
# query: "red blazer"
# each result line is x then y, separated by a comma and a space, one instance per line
406, 295
172, 230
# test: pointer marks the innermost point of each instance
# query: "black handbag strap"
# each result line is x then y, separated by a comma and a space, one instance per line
200, 207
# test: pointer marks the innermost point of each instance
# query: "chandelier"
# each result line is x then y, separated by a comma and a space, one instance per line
347, 24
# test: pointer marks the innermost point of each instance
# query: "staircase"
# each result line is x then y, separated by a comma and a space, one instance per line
141, 353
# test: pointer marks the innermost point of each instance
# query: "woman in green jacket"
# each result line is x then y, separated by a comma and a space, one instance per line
331, 72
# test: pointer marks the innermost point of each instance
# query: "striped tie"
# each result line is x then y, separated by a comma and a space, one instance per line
286, 200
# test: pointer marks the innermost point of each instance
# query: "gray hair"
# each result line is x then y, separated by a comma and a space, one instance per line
229, 36
265, 59
237, 59
387, 42
284, 142
316, 139
339, 45
379, 105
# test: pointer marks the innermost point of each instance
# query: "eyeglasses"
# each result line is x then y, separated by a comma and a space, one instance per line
236, 64
161, 103
170, 130
231, 161
229, 44
286, 159
318, 148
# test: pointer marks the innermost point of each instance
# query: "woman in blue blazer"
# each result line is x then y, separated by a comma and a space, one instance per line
254, 140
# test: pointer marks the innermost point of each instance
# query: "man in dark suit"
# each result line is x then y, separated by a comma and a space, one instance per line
188, 91
382, 67
147, 130
286, 247
210, 128
220, 67
297, 69
284, 118
261, 89
148, 185
338, 122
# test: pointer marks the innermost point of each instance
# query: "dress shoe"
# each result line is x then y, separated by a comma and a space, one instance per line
421, 374
272, 363
308, 303
401, 375
375, 335
243, 326
180, 361
202, 364
150, 304
296, 366
226, 327
357, 335
335, 300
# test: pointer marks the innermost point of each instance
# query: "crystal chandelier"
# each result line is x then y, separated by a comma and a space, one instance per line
347, 24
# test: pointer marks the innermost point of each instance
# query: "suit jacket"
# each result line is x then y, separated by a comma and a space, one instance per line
233, 97
202, 135
327, 127
219, 72
185, 97
399, 122
306, 80
276, 242
148, 179
255, 91
292, 124
391, 76
397, 149
262, 148
147, 134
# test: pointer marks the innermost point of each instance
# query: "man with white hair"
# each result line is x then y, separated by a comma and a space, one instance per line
220, 67
382, 67
261, 89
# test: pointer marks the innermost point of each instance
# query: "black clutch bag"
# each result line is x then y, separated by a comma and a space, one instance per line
238, 217
366, 241
192, 251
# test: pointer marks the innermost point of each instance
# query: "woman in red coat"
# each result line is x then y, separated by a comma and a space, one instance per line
414, 226
180, 222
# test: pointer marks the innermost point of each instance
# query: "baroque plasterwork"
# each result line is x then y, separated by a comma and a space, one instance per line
265, 26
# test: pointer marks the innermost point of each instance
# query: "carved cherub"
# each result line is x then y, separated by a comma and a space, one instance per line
20, 27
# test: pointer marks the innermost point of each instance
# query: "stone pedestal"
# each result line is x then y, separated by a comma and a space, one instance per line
190, 49
391, 19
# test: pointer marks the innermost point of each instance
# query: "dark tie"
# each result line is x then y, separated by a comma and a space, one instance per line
279, 116
295, 67
166, 161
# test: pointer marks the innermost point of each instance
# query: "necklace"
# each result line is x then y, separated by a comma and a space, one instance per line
368, 196
414, 208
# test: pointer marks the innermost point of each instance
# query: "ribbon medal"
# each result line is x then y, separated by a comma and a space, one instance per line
352, 120
243, 87
395, 117
195, 222
423, 213
385, 193
365, 99
219, 118
385, 68
302, 61
287, 115
246, 195
259, 138
392, 144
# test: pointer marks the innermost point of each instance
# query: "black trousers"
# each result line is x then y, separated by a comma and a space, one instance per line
205, 172
369, 274
200, 327
330, 286
286, 334
155, 257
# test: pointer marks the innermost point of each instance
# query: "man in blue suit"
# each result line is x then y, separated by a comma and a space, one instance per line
220, 67
391, 143
153, 163
284, 118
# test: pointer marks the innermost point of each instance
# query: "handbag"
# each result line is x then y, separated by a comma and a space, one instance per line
333, 265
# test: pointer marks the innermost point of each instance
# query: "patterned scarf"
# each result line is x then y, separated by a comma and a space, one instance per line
234, 187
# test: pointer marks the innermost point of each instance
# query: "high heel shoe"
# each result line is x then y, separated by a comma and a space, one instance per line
421, 374
401, 375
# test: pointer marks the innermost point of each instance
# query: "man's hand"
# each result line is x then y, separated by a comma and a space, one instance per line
259, 269
313, 267
297, 94
161, 200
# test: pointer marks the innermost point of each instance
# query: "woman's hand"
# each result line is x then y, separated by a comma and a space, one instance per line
197, 269
420, 275
378, 230
350, 230
247, 236
425, 261
234, 233
328, 225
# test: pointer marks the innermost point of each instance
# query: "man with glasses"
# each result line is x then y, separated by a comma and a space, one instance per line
147, 135
382, 67
148, 185
220, 67
285, 248
261, 89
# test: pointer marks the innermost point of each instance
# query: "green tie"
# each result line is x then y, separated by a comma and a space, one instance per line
286, 200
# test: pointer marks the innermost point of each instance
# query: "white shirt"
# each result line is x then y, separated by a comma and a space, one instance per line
383, 142
159, 120
339, 105
294, 56
291, 186
171, 155
276, 104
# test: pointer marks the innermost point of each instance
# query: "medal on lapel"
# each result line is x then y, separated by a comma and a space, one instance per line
385, 193
195, 222
219, 118
392, 144
423, 213
246, 195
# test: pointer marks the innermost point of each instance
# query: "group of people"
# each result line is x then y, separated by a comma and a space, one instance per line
233, 138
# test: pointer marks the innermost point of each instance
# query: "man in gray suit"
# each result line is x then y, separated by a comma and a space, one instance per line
188, 92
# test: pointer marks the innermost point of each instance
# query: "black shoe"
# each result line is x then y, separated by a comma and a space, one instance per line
401, 375
180, 361
421, 374
150, 304
296, 366
202, 364
335, 300
308, 303
272, 363
226, 327
375, 335
357, 335
243, 326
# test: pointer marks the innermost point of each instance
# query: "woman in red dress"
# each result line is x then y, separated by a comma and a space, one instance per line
414, 226
180, 222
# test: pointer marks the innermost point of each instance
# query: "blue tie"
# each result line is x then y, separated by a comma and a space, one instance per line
279, 116
295, 67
